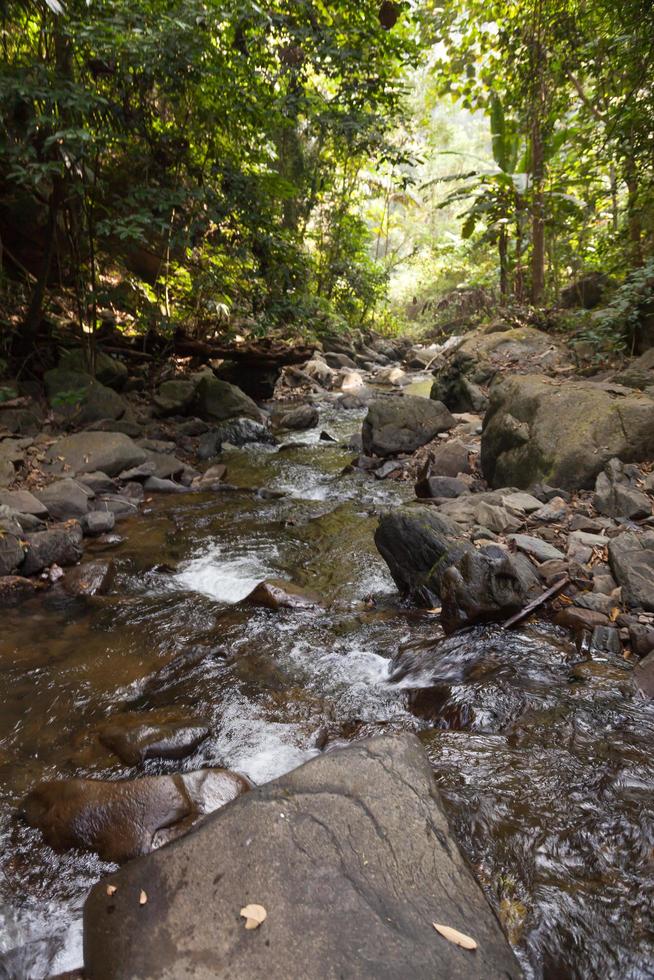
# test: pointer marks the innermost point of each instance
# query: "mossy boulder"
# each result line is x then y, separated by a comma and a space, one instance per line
80, 399
539, 430
108, 370
216, 399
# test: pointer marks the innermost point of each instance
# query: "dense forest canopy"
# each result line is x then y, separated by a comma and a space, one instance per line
234, 166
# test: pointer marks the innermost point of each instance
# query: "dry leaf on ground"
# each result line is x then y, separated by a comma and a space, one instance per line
143, 897
254, 915
454, 936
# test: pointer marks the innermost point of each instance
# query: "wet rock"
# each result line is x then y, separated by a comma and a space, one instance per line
417, 545
616, 497
450, 459
11, 552
98, 522
355, 400
137, 737
80, 399
108, 370
298, 418
24, 502
484, 585
121, 819
87, 452
441, 486
631, 557
595, 601
276, 594
392, 467
606, 639
91, 578
16, 588
238, 432
15, 523
561, 433
174, 397
155, 484
402, 425
60, 544
553, 571
644, 676
65, 499
538, 549
216, 399
213, 475
371, 918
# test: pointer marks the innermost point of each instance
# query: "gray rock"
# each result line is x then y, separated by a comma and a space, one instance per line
555, 510
457, 384
216, 399
65, 499
87, 452
117, 505
121, 819
402, 425
24, 502
631, 557
441, 486
22, 421
7, 472
525, 503
595, 601
616, 497
98, 482
15, 522
538, 549
128, 426
606, 639
351, 884
98, 522
155, 484
60, 544
496, 517
450, 459
191, 427
539, 431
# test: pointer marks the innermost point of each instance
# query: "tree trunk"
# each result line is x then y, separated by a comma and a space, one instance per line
503, 249
633, 213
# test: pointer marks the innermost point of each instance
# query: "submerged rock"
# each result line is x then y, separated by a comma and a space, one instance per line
122, 819
351, 856
402, 425
538, 430
137, 737
276, 594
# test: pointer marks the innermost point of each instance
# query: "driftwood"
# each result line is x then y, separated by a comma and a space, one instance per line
536, 603
259, 355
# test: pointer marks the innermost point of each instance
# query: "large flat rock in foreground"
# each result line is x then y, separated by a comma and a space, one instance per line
350, 855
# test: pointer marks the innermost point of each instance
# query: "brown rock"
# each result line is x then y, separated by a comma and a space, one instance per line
91, 578
576, 619
276, 594
137, 737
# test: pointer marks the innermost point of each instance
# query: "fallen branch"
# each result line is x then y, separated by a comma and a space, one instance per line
536, 603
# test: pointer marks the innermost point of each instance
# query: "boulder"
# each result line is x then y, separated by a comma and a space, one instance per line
350, 883
60, 544
631, 557
240, 432
108, 370
644, 676
276, 594
135, 737
586, 292
91, 578
402, 425
24, 502
65, 499
86, 452
98, 482
441, 486
216, 399
22, 421
175, 397
417, 545
483, 586
121, 819
80, 399
538, 430
457, 383
298, 418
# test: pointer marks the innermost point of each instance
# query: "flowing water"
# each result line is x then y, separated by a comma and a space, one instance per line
543, 756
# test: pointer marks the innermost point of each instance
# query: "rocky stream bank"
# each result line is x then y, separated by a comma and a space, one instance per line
197, 600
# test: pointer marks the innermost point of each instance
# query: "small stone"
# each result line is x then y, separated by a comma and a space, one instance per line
24, 502
91, 578
98, 522
155, 484
555, 510
441, 486
595, 601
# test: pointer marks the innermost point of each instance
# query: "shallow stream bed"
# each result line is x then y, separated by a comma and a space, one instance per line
544, 758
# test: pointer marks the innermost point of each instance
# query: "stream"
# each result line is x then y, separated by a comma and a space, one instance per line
543, 756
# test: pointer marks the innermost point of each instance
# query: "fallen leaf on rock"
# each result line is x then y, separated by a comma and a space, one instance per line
143, 897
254, 915
112, 889
615, 612
454, 936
